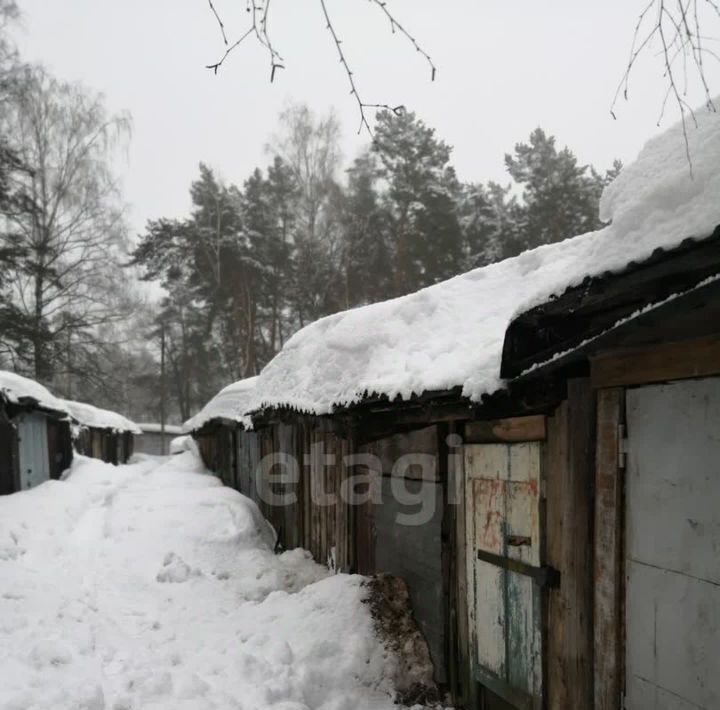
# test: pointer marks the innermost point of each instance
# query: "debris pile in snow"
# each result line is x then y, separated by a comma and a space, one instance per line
86, 415
410, 668
15, 389
451, 334
153, 586
229, 404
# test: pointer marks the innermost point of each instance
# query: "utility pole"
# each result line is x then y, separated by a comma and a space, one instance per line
162, 387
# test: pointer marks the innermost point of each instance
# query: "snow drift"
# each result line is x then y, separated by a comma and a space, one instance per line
153, 586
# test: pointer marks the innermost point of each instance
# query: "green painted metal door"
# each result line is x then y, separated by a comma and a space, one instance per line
505, 576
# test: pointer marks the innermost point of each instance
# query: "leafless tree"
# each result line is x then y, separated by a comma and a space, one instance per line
680, 30
259, 13
66, 285
310, 147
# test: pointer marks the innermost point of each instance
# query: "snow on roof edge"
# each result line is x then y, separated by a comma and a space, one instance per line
14, 388
88, 415
228, 404
451, 334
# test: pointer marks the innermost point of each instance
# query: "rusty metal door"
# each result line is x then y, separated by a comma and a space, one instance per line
505, 572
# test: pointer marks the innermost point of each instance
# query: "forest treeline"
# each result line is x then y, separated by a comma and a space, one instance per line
303, 236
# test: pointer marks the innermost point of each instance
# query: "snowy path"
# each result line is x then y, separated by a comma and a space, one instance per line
151, 586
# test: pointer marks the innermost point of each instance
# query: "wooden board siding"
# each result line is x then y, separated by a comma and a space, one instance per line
608, 567
8, 455
247, 459
556, 474
516, 429
657, 363
59, 447
456, 485
569, 490
313, 514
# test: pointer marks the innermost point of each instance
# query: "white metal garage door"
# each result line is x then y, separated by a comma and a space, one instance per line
33, 450
673, 546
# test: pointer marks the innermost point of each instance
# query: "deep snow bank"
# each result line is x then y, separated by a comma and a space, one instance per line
152, 586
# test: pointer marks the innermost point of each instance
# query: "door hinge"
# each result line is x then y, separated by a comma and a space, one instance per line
622, 446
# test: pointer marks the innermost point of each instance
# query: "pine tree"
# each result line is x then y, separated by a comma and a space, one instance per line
421, 195
367, 269
560, 197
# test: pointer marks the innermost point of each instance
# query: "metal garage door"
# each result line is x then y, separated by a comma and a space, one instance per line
33, 450
673, 546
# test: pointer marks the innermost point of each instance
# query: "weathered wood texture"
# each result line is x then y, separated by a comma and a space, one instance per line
555, 474
571, 470
456, 489
608, 567
503, 504
657, 363
300, 486
516, 429
247, 459
8, 455
60, 447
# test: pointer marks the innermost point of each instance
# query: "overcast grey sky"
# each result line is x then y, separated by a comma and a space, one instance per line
504, 67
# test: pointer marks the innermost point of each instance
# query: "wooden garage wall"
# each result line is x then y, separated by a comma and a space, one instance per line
311, 520
8, 455
570, 475
59, 446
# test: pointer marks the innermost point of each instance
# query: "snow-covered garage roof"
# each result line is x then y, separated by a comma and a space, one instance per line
17, 389
89, 416
231, 403
451, 334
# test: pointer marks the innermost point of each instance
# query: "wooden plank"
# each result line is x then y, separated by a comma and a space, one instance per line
347, 512
657, 363
340, 509
556, 690
304, 459
607, 616
315, 487
576, 569
513, 429
469, 529
456, 472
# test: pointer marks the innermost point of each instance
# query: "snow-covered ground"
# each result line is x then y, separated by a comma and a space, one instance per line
152, 586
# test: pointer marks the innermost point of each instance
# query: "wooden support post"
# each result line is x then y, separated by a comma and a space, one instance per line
569, 491
607, 609
577, 547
